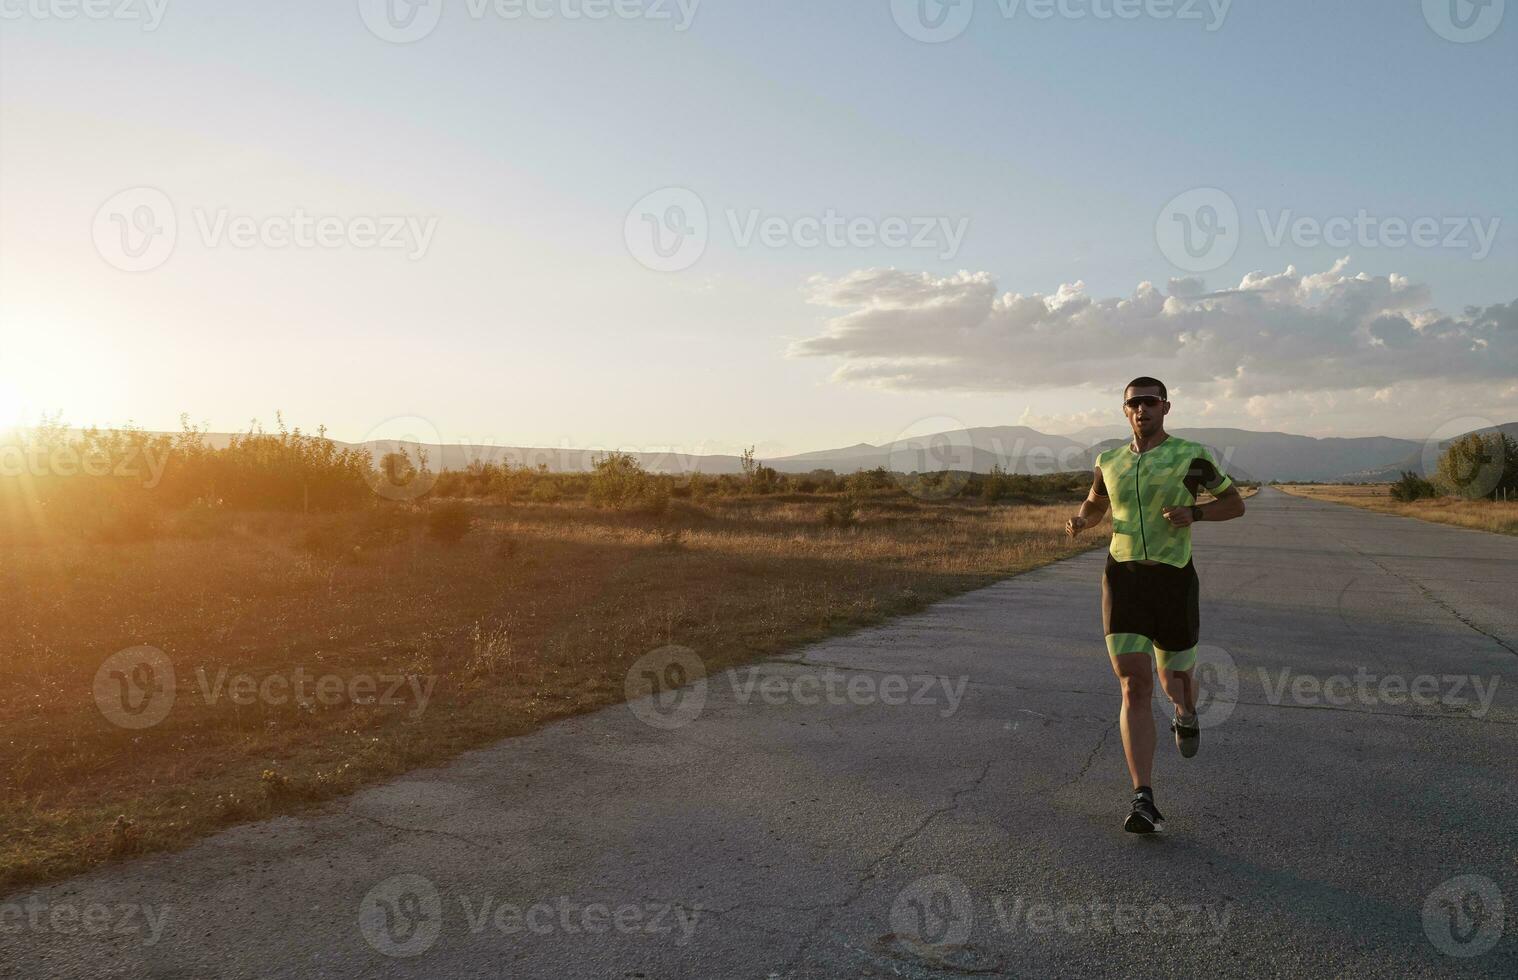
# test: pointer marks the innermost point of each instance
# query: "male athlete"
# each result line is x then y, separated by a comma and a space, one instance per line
1149, 588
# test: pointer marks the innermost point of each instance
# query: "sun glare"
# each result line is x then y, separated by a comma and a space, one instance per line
40, 375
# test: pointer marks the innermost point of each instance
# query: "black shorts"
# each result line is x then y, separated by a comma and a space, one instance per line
1148, 607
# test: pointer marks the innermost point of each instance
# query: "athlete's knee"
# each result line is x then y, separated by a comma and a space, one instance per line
1138, 688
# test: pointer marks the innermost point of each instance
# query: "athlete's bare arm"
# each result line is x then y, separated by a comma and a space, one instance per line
1230, 504
1092, 508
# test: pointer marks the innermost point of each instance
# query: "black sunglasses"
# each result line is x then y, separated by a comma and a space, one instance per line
1148, 401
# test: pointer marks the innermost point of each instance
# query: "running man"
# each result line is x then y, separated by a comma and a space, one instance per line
1149, 588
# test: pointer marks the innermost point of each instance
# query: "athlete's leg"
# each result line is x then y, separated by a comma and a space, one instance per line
1127, 621
1177, 627
1177, 672
1136, 718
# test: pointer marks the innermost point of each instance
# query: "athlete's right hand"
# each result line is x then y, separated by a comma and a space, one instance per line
1075, 525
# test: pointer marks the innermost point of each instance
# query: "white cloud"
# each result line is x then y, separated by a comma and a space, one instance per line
1287, 332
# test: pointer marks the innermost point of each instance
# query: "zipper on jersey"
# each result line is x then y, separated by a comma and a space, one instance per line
1138, 493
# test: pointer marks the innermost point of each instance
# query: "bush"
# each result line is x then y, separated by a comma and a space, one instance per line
620, 481
387, 524
879, 478
996, 485
290, 470
449, 522
1412, 487
842, 513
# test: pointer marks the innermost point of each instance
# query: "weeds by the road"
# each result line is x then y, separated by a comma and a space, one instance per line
1481, 515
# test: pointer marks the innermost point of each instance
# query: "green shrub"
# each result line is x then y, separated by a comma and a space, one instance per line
1412, 487
620, 481
841, 513
387, 524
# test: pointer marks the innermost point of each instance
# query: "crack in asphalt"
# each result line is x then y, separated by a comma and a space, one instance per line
1101, 741
428, 832
837, 908
1429, 595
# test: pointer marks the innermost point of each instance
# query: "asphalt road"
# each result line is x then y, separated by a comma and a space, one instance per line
843, 817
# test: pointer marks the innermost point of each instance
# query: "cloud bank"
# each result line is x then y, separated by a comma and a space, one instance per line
1321, 332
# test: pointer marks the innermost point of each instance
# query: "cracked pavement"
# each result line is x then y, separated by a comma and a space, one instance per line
802, 839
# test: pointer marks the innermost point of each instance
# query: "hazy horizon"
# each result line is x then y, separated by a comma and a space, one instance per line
409, 431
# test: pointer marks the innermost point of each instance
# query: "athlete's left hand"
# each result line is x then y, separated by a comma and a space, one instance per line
1178, 516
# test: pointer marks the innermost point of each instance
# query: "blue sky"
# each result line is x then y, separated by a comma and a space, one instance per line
1053, 144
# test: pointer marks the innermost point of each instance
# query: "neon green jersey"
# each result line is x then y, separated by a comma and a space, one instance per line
1141, 486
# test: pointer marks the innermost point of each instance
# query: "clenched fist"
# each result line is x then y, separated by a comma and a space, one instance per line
1179, 516
1075, 525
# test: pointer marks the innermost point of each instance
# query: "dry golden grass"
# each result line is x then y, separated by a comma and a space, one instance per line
1480, 515
534, 615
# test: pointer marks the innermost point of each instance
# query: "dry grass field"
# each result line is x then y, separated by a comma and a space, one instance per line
534, 614
1480, 515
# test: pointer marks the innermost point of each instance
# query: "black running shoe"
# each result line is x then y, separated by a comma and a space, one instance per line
1188, 735
1144, 818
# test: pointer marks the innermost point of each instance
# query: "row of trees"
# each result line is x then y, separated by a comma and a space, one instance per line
618, 480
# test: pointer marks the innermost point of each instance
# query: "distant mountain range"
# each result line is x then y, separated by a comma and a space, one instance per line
1017, 449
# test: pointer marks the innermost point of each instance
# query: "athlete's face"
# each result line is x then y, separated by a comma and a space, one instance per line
1145, 409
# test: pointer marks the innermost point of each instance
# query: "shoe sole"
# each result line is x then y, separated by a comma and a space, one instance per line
1187, 744
1136, 824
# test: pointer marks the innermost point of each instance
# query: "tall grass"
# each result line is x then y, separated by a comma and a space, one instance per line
1481, 514
119, 483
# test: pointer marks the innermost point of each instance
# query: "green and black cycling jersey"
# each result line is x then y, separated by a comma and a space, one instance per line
1140, 486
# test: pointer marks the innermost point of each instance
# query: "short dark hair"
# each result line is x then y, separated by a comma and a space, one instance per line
1149, 383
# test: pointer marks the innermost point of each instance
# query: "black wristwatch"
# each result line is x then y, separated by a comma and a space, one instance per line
1196, 512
